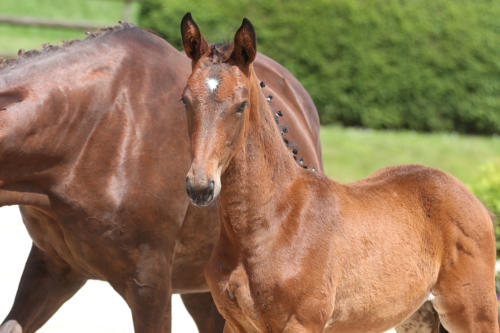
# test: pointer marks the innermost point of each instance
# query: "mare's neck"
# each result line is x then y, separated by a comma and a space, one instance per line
258, 173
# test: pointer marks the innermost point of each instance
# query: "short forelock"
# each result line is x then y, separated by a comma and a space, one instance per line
219, 52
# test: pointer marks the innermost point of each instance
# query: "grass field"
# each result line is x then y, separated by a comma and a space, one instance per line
12, 38
351, 154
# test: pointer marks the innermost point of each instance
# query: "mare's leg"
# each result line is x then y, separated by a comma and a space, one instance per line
148, 291
45, 285
202, 308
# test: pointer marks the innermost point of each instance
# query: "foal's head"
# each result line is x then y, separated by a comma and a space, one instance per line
217, 99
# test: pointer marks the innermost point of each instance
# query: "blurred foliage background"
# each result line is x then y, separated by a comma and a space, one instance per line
426, 65
390, 70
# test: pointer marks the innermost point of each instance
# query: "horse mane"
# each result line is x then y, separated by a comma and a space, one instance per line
47, 48
220, 52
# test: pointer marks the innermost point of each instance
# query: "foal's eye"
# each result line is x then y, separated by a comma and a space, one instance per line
242, 107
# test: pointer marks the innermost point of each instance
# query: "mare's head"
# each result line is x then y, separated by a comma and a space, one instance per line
217, 98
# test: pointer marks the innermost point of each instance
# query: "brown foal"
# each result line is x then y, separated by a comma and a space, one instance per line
299, 252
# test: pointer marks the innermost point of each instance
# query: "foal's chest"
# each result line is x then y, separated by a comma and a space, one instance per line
248, 309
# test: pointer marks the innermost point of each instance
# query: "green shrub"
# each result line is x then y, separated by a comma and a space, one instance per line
426, 65
487, 188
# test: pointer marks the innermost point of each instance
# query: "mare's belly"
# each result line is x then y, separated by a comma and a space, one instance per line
90, 252
101, 252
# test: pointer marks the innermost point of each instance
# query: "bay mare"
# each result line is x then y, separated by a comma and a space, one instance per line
298, 252
94, 149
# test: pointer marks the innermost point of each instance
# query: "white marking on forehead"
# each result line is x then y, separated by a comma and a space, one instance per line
212, 84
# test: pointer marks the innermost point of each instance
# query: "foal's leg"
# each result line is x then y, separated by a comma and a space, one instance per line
228, 328
202, 308
466, 299
45, 285
295, 326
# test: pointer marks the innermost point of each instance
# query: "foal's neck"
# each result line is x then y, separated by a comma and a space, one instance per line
258, 172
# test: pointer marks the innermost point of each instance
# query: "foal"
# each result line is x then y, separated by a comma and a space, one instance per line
299, 252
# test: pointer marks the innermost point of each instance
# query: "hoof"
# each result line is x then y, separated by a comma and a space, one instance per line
11, 326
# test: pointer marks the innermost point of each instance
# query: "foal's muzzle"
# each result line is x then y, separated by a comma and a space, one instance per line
201, 194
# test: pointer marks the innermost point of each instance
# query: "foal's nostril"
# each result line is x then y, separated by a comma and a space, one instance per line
189, 188
200, 192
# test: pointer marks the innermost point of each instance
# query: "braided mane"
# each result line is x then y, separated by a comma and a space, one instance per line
22, 55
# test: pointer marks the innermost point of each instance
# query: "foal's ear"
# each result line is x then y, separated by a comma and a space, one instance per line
244, 46
194, 43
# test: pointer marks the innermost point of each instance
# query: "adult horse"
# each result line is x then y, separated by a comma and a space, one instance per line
94, 149
298, 252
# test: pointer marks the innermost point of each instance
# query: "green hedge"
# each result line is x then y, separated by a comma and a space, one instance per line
487, 188
426, 65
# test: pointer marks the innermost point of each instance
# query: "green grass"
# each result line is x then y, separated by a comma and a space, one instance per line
13, 38
350, 154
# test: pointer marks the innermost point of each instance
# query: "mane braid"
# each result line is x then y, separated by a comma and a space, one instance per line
48, 48
283, 131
